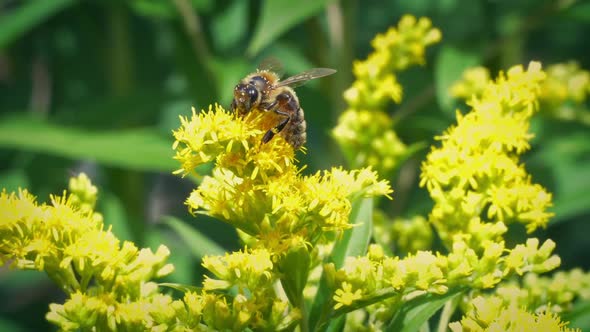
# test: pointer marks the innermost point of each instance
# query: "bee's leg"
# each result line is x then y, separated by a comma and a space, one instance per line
272, 132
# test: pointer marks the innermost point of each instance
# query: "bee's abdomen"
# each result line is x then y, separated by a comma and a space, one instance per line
295, 133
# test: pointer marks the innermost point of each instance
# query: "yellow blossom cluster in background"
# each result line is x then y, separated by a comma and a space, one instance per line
555, 293
475, 178
365, 131
562, 94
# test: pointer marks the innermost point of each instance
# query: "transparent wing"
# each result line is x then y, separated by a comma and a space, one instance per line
271, 64
301, 78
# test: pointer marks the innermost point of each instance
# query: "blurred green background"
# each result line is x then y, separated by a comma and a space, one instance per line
97, 86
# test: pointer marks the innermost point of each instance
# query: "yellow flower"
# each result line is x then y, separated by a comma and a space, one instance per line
250, 269
345, 295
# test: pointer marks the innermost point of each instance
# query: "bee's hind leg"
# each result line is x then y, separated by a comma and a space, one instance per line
272, 132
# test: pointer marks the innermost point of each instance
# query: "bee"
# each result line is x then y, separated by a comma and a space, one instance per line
265, 91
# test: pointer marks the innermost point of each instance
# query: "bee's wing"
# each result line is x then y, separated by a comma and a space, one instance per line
302, 78
271, 64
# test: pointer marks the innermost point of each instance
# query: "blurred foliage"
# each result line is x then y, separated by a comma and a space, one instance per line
98, 86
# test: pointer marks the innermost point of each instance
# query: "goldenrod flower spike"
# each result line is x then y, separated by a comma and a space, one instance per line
257, 187
108, 283
476, 174
562, 94
365, 131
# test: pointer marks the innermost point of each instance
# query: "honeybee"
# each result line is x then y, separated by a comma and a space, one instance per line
265, 91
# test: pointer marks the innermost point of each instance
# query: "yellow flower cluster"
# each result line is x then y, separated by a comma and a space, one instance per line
258, 188
474, 178
250, 273
557, 292
108, 283
364, 131
493, 315
562, 94
370, 276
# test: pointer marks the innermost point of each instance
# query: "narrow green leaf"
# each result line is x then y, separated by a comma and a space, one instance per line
180, 287
580, 12
166, 9
414, 313
199, 244
450, 65
17, 22
139, 149
355, 241
231, 25
565, 157
278, 16
579, 316
13, 179
114, 214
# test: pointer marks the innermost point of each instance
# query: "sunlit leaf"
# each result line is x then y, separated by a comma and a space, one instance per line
354, 242
139, 149
278, 16
13, 179
415, 313
199, 244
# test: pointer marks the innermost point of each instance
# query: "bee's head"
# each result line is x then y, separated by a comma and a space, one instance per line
246, 97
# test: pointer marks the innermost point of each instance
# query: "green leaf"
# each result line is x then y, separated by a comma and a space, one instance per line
13, 179
579, 316
114, 214
580, 12
230, 26
450, 65
278, 16
183, 260
139, 149
354, 241
16, 22
199, 244
414, 313
180, 287
294, 268
566, 157
165, 9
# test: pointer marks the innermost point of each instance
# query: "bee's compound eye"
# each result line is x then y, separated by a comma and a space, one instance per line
253, 93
